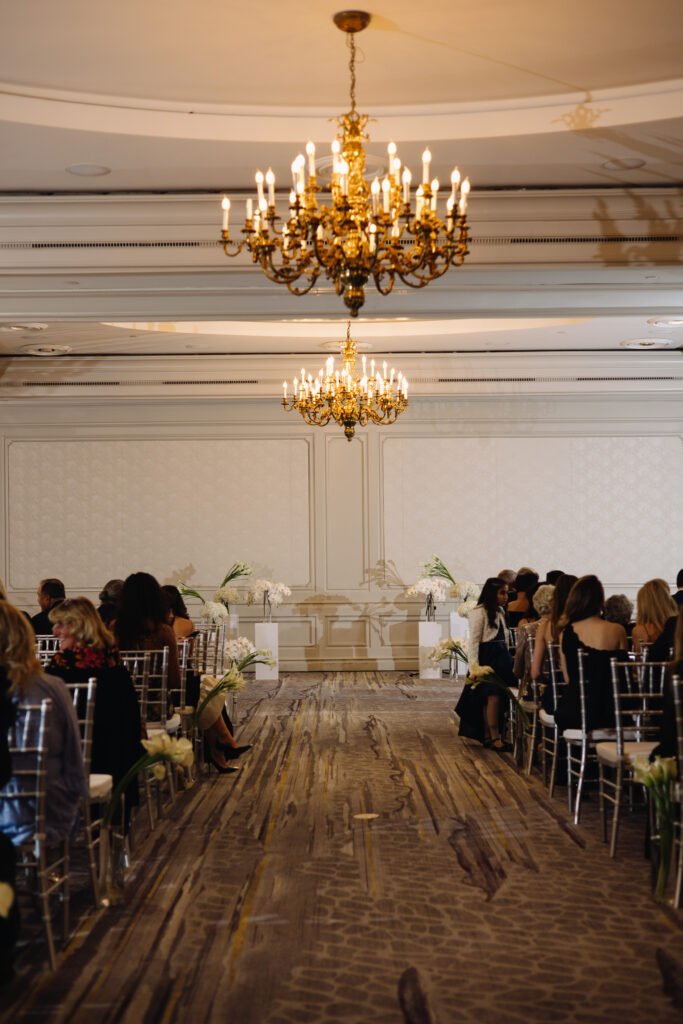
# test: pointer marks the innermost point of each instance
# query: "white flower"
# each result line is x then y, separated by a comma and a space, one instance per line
465, 591
466, 607
227, 595
433, 587
232, 680
181, 751
444, 648
6, 899
237, 650
214, 612
158, 770
275, 592
158, 743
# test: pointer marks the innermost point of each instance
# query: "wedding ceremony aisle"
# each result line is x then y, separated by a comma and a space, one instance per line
362, 838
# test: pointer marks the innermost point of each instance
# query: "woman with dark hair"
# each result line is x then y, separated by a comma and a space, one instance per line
668, 746
479, 708
142, 624
584, 629
178, 615
518, 609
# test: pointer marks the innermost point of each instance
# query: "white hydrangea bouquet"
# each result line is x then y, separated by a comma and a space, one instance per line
433, 590
271, 593
219, 609
465, 592
241, 653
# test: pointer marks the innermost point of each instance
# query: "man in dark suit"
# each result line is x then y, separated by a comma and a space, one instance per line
50, 593
678, 596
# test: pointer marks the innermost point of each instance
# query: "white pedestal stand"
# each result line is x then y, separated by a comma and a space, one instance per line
266, 635
233, 626
428, 635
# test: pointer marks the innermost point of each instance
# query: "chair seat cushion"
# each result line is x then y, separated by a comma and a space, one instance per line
607, 752
170, 725
575, 735
100, 787
546, 718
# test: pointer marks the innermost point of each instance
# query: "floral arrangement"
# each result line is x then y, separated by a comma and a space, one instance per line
477, 674
658, 776
433, 589
233, 679
160, 749
270, 592
466, 592
448, 648
219, 609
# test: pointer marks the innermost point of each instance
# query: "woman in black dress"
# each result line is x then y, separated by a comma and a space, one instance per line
480, 708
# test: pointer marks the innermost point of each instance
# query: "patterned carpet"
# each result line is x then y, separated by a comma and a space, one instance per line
360, 839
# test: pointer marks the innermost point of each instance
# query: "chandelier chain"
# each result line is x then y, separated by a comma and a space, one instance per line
351, 42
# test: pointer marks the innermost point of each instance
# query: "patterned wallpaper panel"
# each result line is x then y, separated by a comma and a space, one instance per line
86, 511
608, 505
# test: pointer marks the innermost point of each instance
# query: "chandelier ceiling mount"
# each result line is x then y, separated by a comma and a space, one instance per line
367, 231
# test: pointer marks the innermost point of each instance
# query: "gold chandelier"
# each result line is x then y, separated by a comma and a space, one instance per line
345, 397
367, 231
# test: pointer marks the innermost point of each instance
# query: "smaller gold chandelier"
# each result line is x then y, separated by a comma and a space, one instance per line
343, 396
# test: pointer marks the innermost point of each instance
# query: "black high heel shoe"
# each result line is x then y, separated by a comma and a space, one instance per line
230, 753
227, 770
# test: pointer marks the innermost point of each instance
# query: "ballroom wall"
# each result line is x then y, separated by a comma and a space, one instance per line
182, 485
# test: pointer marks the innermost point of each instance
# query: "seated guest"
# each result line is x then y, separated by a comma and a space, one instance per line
9, 922
618, 608
178, 616
542, 601
3, 592
678, 596
531, 615
87, 649
552, 576
50, 593
585, 630
109, 595
141, 625
668, 746
480, 708
549, 632
517, 609
654, 608
66, 782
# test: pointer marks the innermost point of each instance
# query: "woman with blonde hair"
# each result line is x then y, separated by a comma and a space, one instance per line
66, 782
655, 606
88, 649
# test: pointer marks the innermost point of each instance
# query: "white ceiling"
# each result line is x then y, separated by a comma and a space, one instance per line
180, 97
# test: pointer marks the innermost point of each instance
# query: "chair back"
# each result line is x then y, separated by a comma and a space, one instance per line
208, 650
178, 697
638, 690
137, 663
512, 633
157, 688
83, 696
46, 646
678, 713
28, 750
556, 677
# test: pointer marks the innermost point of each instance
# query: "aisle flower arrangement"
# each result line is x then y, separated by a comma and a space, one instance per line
465, 592
659, 777
450, 647
159, 750
241, 653
272, 594
434, 590
219, 609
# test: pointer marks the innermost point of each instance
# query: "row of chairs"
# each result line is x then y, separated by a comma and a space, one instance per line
637, 693
46, 865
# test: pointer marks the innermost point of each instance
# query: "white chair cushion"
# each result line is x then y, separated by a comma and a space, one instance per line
607, 752
100, 787
170, 725
546, 718
575, 735
514, 690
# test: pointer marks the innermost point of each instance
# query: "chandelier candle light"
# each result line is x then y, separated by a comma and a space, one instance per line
367, 231
343, 396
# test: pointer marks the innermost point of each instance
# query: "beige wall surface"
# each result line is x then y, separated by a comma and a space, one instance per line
182, 488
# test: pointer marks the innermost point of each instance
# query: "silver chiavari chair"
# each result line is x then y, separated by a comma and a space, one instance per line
46, 646
638, 691
138, 665
550, 737
530, 704
678, 789
46, 863
99, 786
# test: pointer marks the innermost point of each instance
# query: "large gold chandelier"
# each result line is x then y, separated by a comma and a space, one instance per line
366, 231
345, 397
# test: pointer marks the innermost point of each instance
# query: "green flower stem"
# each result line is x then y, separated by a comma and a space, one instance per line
494, 678
146, 761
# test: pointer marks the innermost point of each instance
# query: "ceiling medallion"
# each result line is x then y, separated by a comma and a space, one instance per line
346, 398
367, 231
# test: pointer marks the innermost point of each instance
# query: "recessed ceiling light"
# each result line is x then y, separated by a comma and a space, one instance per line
45, 350
659, 321
627, 163
647, 343
88, 170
